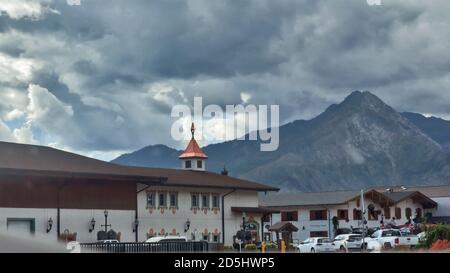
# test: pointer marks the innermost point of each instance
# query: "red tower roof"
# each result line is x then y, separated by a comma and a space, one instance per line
193, 150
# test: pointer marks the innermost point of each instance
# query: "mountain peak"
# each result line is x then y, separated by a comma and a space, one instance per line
366, 98
356, 103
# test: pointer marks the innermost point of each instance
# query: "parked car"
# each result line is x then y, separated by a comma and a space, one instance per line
109, 241
161, 239
422, 236
391, 238
347, 242
316, 244
340, 231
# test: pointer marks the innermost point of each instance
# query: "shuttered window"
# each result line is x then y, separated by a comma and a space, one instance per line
289, 216
316, 215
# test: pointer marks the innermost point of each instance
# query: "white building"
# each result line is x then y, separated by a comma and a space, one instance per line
54, 194
313, 213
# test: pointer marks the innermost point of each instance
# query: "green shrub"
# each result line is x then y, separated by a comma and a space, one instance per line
435, 233
250, 247
271, 246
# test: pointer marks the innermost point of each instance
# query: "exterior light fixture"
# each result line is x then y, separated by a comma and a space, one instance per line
92, 225
106, 221
187, 225
135, 225
49, 224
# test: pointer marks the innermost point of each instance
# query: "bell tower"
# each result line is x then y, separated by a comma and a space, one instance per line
193, 158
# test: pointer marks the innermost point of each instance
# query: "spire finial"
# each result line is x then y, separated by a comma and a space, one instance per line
192, 130
224, 171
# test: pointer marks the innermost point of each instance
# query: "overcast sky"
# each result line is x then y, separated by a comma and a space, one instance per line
101, 78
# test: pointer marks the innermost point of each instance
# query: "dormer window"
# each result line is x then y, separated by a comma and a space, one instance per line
188, 164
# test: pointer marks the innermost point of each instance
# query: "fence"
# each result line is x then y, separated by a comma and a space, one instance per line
163, 247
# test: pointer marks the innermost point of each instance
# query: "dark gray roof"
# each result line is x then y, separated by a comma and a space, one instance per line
309, 198
23, 159
339, 197
398, 196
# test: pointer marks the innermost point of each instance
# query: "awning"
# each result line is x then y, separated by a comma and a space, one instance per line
283, 227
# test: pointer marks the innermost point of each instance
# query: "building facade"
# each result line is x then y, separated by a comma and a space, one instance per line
313, 213
53, 194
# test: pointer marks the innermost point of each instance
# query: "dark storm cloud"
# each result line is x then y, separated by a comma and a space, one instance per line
122, 65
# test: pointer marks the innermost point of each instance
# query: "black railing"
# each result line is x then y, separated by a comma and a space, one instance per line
163, 247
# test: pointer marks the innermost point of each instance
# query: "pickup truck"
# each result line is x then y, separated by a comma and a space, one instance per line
390, 238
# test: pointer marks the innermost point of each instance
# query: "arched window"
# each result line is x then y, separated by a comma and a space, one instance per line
387, 213
419, 213
398, 213
408, 213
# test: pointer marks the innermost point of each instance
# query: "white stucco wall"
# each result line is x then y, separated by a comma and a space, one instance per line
168, 220
443, 206
73, 220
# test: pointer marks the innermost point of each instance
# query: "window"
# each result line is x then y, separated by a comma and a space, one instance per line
315, 215
342, 214
216, 238
408, 213
387, 213
391, 233
162, 200
188, 164
373, 214
194, 200
318, 234
173, 199
199, 164
206, 237
357, 214
398, 213
266, 218
215, 201
205, 200
419, 213
151, 200
289, 216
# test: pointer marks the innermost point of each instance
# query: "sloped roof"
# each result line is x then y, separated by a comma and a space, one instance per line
341, 197
193, 151
283, 226
430, 191
417, 196
23, 159
308, 198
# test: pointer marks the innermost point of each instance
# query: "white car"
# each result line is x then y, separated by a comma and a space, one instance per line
348, 242
109, 241
316, 244
162, 239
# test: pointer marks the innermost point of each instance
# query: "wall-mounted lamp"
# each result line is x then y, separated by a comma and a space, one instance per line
135, 225
187, 225
92, 225
49, 224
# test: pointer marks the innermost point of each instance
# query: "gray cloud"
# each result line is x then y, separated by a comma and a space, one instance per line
121, 66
